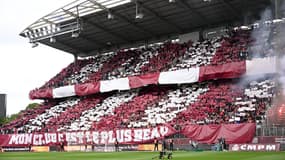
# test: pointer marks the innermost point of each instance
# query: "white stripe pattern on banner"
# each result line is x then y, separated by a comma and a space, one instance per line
115, 84
179, 76
65, 91
261, 66
254, 67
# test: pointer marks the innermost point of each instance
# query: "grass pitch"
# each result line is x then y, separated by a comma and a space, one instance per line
207, 155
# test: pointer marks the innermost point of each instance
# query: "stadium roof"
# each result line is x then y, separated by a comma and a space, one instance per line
87, 27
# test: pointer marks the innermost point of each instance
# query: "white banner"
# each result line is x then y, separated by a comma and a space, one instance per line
124, 136
190, 75
261, 66
65, 91
115, 84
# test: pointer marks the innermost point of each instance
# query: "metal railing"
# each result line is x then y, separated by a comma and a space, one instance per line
270, 131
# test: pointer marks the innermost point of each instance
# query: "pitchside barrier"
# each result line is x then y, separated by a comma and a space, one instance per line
273, 139
141, 139
179, 144
255, 147
208, 134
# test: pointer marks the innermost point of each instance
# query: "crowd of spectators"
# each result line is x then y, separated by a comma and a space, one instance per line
230, 102
212, 102
24, 116
61, 79
235, 46
99, 111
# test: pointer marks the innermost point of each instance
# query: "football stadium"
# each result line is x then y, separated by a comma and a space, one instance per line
157, 79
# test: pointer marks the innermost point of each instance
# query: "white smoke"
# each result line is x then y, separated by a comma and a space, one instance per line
279, 48
260, 45
269, 39
282, 74
282, 64
261, 35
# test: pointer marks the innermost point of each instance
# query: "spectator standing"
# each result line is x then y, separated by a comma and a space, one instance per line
155, 144
116, 145
30, 147
61, 146
164, 145
171, 144
92, 145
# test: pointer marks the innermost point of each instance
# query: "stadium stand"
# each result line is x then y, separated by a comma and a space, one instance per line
149, 107
212, 102
188, 74
25, 117
99, 111
168, 56
61, 78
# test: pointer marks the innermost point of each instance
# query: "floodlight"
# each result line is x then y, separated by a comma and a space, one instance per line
52, 40
277, 21
110, 15
139, 15
34, 44
244, 27
75, 34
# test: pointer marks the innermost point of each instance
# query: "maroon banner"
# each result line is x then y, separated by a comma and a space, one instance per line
233, 133
87, 88
228, 70
143, 80
254, 147
41, 93
35, 139
124, 136
4, 139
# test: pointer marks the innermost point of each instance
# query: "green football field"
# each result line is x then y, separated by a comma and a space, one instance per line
206, 155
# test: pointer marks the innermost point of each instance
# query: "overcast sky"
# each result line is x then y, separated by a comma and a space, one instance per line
23, 68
